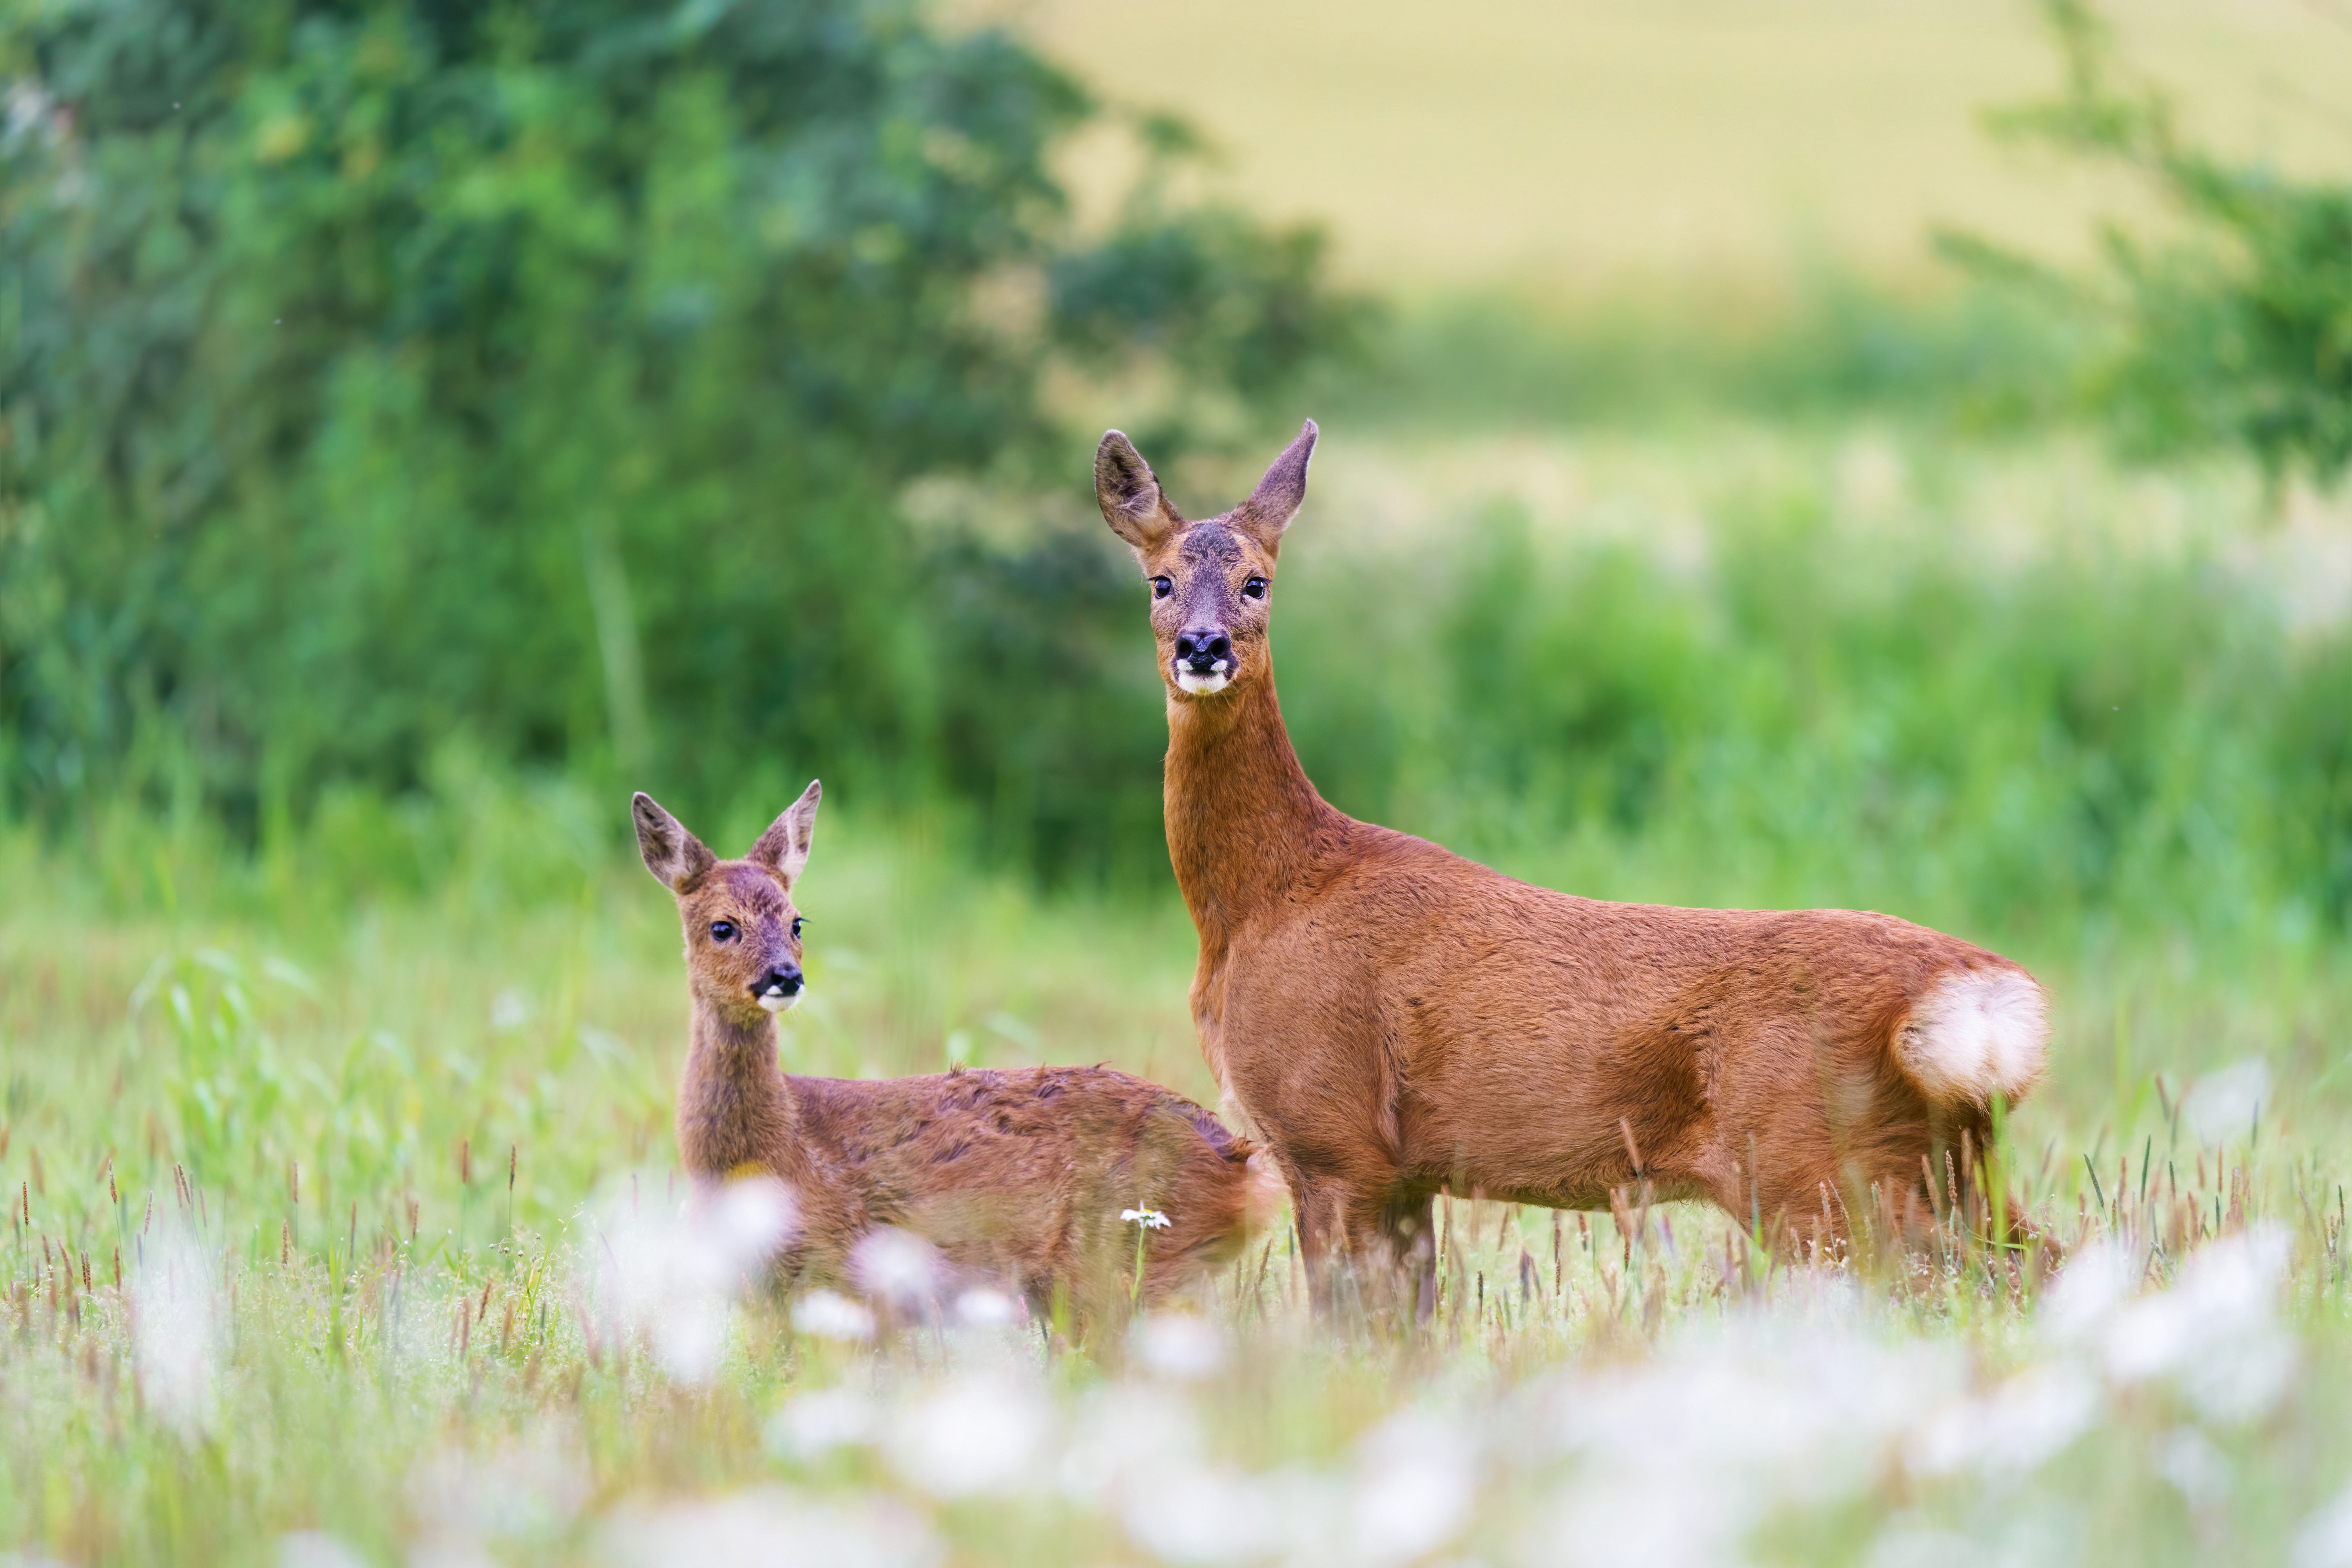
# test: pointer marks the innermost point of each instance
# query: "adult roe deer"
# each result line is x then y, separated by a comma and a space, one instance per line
1390, 1019
1018, 1176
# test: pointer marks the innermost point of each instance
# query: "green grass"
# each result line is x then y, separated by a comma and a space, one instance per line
342, 1042
449, 1375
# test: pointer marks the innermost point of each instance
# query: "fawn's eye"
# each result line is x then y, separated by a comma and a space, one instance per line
796, 928
1254, 588
1161, 587
722, 931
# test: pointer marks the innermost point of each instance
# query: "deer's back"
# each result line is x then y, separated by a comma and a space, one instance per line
1467, 1009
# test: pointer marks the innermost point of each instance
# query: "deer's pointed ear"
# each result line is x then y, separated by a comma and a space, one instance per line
1130, 494
1276, 499
784, 847
675, 857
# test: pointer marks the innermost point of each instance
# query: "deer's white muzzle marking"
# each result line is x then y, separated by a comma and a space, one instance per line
1220, 676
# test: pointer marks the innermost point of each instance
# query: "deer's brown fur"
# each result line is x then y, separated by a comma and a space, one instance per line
1017, 1175
1393, 1019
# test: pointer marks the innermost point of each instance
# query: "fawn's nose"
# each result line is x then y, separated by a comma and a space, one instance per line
782, 982
1202, 649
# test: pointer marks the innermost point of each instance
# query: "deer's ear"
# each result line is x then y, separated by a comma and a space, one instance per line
675, 857
1130, 494
1276, 499
784, 847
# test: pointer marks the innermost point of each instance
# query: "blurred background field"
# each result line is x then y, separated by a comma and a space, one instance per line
1575, 148
1751, 476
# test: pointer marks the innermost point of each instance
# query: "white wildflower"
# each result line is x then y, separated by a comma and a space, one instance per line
1917, 1548
896, 1267
1308, 1519
1414, 1483
509, 1009
1679, 1459
176, 1327
1151, 1219
811, 1425
2196, 1469
2012, 1430
1205, 1514
1181, 1345
1129, 1434
767, 1527
2222, 1105
979, 1434
673, 1276
829, 1315
316, 1549
2090, 1286
2325, 1539
463, 1498
981, 1307
2216, 1333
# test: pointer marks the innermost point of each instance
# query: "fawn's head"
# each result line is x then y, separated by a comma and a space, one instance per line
742, 934
1210, 581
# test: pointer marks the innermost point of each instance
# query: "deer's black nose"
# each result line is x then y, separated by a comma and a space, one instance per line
1202, 649
785, 980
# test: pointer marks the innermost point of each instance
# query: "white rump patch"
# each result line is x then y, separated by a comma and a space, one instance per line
1977, 1034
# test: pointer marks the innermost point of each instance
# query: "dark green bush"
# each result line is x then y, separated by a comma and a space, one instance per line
548, 375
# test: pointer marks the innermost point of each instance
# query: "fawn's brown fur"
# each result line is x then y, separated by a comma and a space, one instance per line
1018, 1176
1393, 1020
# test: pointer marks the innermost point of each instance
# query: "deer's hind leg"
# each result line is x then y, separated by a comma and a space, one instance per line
1374, 1246
1403, 1251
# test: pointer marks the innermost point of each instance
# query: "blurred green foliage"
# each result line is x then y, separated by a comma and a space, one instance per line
1982, 700
1972, 360
2234, 331
549, 375
1822, 712
396, 398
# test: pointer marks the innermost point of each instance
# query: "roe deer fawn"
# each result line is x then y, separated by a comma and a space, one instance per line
1018, 1176
1391, 1019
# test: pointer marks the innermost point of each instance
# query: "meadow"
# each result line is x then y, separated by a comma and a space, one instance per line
1584, 150
344, 1227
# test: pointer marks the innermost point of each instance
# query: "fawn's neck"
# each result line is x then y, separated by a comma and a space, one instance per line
735, 1107
1242, 819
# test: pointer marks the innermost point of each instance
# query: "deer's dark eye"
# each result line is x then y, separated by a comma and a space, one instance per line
796, 928
1161, 587
1254, 588
722, 931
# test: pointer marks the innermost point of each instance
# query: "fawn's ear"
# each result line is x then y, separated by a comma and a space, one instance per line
784, 847
675, 857
1276, 499
1129, 495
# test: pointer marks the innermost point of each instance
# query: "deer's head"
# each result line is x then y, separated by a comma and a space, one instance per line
1211, 582
742, 934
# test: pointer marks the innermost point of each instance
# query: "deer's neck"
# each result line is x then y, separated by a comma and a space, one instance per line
1244, 822
735, 1108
